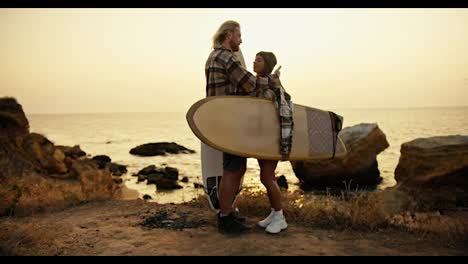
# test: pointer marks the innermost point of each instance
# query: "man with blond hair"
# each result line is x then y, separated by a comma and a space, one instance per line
225, 76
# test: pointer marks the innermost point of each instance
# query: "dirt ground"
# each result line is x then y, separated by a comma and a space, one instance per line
136, 227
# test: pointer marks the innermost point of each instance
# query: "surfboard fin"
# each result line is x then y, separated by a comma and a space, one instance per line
211, 191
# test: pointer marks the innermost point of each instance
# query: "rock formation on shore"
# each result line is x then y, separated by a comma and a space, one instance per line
435, 169
36, 175
358, 168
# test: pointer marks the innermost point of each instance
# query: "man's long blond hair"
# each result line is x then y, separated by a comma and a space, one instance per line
220, 35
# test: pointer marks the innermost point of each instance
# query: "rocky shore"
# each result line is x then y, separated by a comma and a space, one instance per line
58, 200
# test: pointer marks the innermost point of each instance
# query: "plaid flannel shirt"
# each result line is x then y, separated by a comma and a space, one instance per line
225, 75
284, 107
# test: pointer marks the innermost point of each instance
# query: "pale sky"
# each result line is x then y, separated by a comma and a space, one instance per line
152, 60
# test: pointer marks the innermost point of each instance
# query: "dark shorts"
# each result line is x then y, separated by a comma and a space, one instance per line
233, 162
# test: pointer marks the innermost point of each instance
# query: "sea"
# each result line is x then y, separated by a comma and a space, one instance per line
114, 134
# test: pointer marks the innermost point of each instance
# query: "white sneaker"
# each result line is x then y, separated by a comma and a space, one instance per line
277, 224
265, 222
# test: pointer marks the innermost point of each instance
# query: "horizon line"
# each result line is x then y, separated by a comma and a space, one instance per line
180, 112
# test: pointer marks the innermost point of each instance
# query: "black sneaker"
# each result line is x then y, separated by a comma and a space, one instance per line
241, 218
230, 225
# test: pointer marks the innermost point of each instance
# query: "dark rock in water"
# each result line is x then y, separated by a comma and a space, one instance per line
74, 152
167, 172
101, 160
184, 179
162, 182
147, 197
358, 168
117, 169
155, 149
171, 173
282, 182
174, 149
154, 177
141, 178
148, 170
165, 184
145, 151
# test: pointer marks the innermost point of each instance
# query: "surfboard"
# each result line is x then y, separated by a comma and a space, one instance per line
249, 127
212, 166
212, 171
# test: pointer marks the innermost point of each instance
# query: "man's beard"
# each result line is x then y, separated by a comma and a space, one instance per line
234, 46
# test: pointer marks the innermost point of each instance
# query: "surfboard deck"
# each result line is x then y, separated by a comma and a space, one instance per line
249, 127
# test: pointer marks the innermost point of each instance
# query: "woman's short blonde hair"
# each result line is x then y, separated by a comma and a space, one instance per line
220, 35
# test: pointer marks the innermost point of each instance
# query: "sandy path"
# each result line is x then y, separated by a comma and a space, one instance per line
113, 228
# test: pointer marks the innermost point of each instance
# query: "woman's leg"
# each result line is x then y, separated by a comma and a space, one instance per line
275, 222
267, 177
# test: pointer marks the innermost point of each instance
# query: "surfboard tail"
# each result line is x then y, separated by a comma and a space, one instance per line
211, 190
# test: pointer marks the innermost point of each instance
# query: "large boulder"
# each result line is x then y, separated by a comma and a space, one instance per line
13, 122
45, 153
155, 149
95, 184
14, 127
358, 168
435, 169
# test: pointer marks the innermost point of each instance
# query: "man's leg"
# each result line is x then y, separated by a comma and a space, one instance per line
235, 209
228, 189
234, 169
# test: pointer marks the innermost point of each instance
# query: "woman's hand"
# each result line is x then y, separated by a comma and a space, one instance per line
284, 157
277, 72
